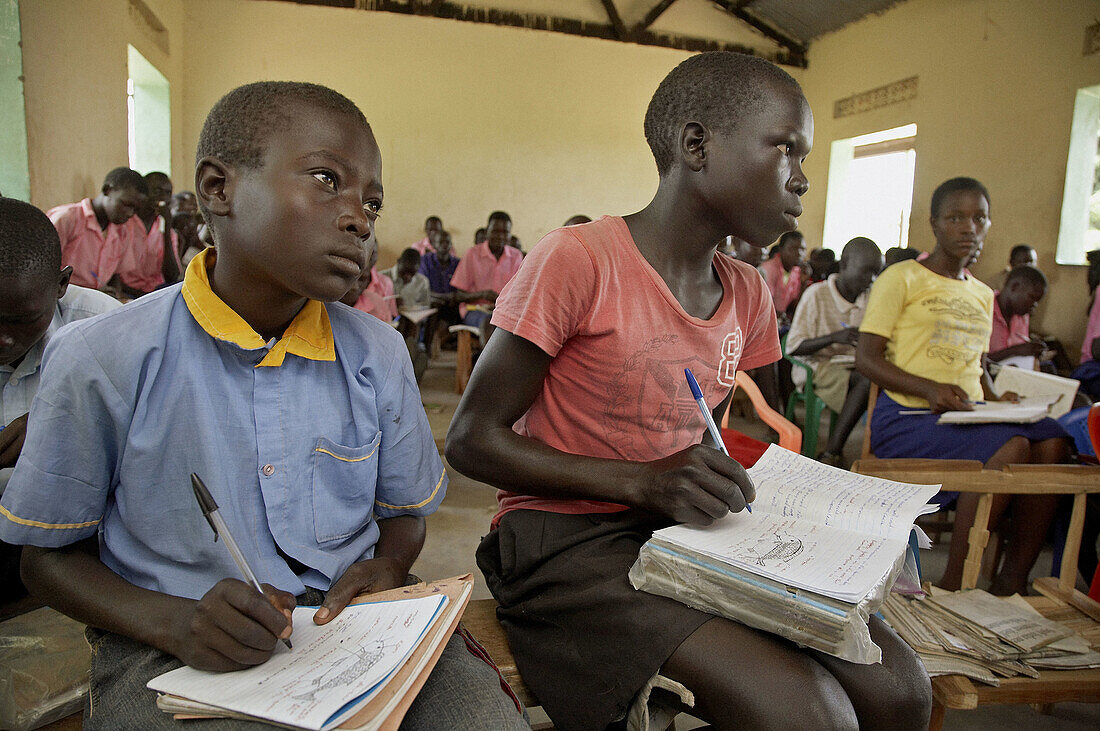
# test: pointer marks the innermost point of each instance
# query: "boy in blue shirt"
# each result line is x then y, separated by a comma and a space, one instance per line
302, 418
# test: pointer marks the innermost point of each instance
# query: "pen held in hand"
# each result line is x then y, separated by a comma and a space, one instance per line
221, 530
716, 435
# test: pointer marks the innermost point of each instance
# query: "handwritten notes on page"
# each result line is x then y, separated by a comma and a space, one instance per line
331, 671
813, 527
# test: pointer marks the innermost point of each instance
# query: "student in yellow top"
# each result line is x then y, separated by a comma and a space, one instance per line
924, 341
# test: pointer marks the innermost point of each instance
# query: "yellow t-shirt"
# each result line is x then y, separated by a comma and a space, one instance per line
936, 327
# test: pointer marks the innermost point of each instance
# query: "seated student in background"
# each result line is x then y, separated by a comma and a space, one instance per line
825, 325
1023, 287
410, 287
822, 263
579, 412
362, 297
1021, 255
480, 236
923, 340
432, 225
783, 273
36, 299
484, 271
382, 285
746, 252
149, 263
439, 266
186, 222
1088, 373
316, 447
897, 254
94, 237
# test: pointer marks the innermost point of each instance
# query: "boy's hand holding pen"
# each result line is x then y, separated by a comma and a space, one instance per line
236, 623
698, 484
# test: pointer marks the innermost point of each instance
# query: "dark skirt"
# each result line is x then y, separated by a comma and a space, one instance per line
583, 638
895, 435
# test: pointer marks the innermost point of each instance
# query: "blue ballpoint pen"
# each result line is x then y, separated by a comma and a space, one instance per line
714, 433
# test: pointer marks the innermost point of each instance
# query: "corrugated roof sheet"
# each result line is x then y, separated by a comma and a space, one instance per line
806, 20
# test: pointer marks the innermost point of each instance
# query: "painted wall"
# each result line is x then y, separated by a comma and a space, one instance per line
14, 182
470, 118
995, 102
74, 63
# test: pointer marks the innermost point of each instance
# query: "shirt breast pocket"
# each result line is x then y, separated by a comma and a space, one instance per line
344, 480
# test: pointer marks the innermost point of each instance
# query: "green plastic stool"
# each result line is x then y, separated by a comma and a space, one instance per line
814, 405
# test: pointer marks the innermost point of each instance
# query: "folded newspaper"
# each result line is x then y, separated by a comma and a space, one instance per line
812, 562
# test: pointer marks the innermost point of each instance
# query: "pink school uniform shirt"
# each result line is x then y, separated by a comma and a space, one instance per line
1092, 330
92, 252
424, 245
143, 263
620, 342
382, 286
1010, 332
783, 291
373, 304
479, 269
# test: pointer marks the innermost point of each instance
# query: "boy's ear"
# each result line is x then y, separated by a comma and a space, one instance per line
214, 185
63, 280
693, 139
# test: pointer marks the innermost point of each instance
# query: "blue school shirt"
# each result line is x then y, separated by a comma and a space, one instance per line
304, 442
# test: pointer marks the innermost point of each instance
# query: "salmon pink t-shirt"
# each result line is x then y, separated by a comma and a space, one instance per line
620, 342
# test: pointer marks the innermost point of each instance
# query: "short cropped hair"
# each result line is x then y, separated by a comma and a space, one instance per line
498, 215
1028, 275
123, 178
954, 185
788, 237
1020, 250
409, 256
29, 244
238, 126
430, 219
716, 89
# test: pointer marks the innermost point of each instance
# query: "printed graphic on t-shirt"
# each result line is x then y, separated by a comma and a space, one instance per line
650, 405
960, 330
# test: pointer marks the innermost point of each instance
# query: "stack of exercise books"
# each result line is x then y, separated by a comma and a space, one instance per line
812, 562
984, 637
362, 670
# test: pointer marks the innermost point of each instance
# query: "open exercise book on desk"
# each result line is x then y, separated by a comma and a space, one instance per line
811, 563
362, 670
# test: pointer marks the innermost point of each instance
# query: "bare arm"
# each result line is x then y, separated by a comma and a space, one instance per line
844, 336
697, 484
871, 362
232, 627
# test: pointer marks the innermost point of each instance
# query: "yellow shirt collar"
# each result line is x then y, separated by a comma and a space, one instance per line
308, 336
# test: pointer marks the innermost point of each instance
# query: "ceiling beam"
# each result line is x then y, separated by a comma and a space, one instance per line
616, 22
654, 13
796, 48
449, 10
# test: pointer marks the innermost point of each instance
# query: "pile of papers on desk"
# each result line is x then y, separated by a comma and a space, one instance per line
984, 637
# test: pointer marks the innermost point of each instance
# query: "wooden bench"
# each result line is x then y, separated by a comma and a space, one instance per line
464, 356
1060, 601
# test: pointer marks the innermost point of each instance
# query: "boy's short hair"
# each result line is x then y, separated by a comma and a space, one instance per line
409, 256
715, 89
788, 237
237, 127
954, 185
1028, 275
1020, 251
498, 215
29, 244
123, 178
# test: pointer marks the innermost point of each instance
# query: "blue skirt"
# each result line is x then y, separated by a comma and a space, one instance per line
896, 435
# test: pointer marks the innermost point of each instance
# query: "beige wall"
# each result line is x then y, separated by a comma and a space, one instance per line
474, 117
995, 101
470, 118
74, 63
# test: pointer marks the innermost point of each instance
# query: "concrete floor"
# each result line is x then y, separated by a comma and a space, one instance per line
455, 530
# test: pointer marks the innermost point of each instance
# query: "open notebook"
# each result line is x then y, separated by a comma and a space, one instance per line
361, 670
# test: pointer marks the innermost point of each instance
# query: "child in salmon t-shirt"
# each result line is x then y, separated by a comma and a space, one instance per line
579, 412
